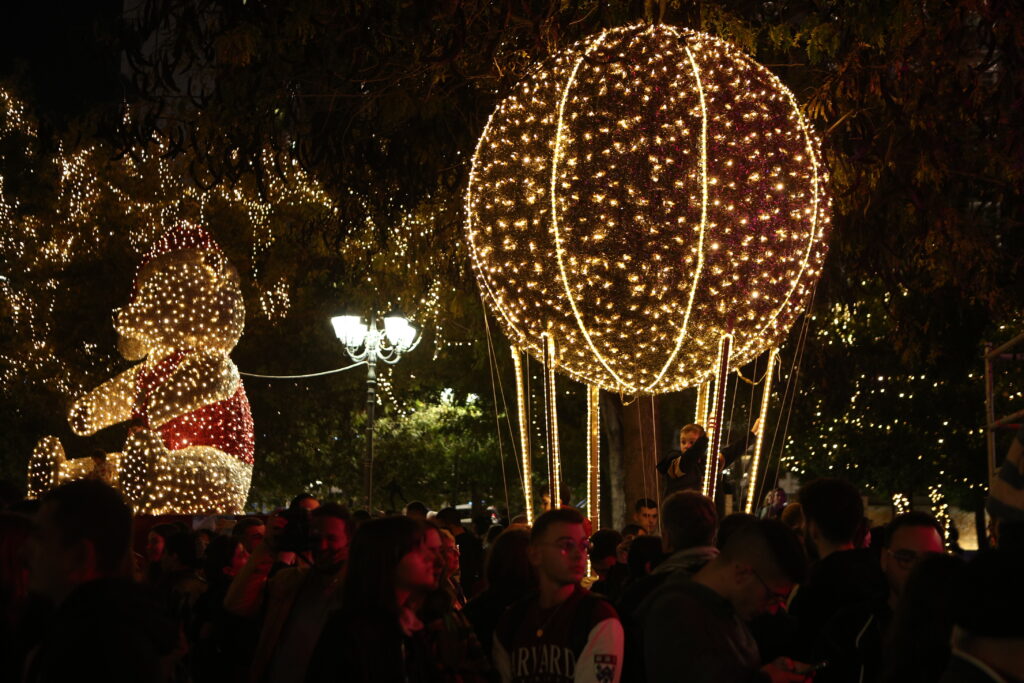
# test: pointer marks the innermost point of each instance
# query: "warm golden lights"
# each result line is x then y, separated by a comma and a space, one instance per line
640, 195
190, 449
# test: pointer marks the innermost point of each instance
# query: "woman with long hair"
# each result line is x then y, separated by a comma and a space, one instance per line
376, 635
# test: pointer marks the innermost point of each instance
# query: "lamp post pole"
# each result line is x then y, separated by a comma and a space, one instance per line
371, 404
365, 343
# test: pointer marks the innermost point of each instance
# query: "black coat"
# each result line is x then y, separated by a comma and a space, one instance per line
685, 471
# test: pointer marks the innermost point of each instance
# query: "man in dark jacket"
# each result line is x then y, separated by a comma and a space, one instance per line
105, 627
695, 629
689, 521
844, 576
852, 641
988, 633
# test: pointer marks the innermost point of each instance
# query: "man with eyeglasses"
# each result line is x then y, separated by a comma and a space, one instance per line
563, 633
854, 637
695, 629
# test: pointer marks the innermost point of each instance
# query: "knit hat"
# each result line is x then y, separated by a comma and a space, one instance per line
1006, 490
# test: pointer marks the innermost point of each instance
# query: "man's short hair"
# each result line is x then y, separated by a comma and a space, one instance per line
449, 516
246, 523
299, 498
183, 546
416, 506
730, 523
604, 543
835, 506
692, 428
632, 530
644, 503
90, 510
908, 519
337, 511
769, 546
559, 516
688, 519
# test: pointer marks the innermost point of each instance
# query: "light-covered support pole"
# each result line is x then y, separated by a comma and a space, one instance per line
594, 456
701, 416
755, 463
524, 435
715, 422
551, 411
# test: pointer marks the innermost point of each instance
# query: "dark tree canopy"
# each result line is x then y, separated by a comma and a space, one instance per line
232, 111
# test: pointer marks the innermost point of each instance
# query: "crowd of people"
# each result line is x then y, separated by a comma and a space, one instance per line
313, 593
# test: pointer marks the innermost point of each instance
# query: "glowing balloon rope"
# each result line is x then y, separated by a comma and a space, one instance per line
551, 412
813, 235
755, 462
524, 435
494, 401
594, 455
715, 424
703, 217
559, 248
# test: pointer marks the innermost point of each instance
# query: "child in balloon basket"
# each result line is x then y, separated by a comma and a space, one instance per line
685, 470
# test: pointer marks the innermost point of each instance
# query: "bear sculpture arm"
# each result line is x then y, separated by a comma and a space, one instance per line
201, 379
108, 404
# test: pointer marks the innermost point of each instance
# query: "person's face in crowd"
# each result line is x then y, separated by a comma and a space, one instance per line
253, 536
757, 592
909, 544
433, 545
309, 504
202, 542
687, 439
545, 502
647, 518
54, 570
238, 560
561, 554
154, 547
329, 539
419, 569
449, 555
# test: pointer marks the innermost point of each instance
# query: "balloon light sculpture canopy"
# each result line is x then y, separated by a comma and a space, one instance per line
640, 195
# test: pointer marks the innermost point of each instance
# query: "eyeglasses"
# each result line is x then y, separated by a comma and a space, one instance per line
906, 558
775, 599
567, 546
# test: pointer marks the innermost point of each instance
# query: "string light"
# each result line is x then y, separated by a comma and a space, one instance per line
105, 200
191, 451
551, 410
594, 456
639, 195
900, 503
714, 427
755, 463
524, 434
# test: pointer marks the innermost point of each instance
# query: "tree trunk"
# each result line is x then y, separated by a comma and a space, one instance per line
611, 424
634, 448
642, 446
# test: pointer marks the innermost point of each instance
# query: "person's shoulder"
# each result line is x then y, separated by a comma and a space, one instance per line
598, 606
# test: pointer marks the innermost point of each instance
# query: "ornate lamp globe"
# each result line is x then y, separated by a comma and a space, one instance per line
638, 196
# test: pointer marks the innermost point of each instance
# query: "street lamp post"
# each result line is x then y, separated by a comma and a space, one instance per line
367, 343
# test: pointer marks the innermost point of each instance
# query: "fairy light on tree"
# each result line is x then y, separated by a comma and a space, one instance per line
640, 195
